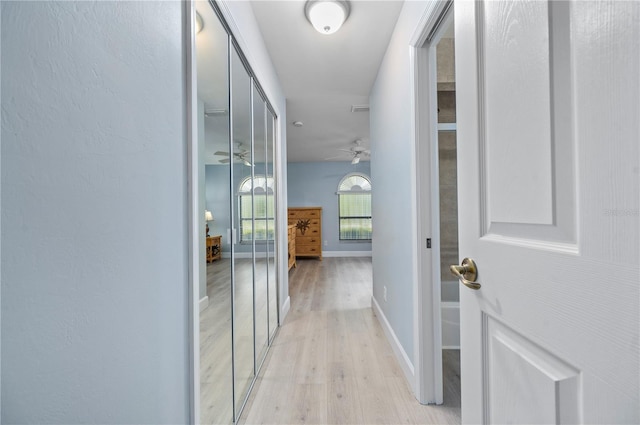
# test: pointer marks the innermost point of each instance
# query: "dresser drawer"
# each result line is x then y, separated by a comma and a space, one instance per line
302, 213
307, 250
306, 227
307, 240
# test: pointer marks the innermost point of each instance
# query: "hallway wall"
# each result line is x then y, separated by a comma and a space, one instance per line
313, 184
392, 173
95, 325
94, 231
94, 213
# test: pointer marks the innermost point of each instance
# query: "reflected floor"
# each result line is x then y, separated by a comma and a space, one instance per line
216, 387
215, 347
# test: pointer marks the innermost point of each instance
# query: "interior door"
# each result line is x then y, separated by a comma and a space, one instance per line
548, 107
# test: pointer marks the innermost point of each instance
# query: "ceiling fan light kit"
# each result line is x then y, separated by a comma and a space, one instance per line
327, 16
238, 156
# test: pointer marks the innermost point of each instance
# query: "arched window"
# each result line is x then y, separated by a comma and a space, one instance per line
354, 206
261, 194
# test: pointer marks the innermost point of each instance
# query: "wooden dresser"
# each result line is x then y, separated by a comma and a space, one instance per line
214, 248
292, 245
308, 225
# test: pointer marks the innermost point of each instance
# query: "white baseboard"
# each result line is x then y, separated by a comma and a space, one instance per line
204, 302
346, 253
285, 309
401, 355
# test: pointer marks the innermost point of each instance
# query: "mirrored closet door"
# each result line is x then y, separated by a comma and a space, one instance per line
239, 299
242, 250
270, 189
216, 370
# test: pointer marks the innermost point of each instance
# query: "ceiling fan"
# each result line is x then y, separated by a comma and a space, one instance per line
241, 156
357, 151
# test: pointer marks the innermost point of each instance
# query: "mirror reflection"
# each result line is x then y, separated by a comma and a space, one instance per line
238, 286
271, 231
242, 168
259, 237
216, 379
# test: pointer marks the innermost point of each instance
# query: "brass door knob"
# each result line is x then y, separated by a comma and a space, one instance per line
467, 272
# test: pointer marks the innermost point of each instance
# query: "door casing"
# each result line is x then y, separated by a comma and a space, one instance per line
427, 320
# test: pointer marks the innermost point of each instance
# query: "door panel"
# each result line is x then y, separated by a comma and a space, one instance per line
271, 230
242, 252
549, 210
259, 197
528, 147
527, 384
517, 121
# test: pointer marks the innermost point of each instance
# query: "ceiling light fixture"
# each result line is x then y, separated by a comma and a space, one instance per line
298, 124
327, 16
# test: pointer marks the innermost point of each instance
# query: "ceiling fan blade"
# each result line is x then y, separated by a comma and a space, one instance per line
223, 161
221, 153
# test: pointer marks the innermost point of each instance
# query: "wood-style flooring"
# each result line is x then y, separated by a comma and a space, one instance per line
331, 362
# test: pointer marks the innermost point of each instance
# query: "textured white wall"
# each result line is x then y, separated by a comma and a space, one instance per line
392, 174
94, 213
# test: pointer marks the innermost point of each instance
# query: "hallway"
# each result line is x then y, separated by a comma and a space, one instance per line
331, 362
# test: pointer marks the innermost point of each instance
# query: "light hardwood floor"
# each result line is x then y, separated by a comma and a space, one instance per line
331, 362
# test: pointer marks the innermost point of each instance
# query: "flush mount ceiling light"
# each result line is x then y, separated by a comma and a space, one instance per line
199, 23
327, 16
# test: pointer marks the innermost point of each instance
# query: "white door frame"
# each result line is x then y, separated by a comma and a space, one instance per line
195, 223
427, 313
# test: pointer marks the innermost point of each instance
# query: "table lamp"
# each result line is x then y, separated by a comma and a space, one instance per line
207, 218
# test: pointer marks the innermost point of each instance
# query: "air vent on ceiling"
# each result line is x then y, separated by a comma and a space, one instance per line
215, 112
359, 108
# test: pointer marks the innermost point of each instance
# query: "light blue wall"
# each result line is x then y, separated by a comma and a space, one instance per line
392, 172
314, 184
94, 213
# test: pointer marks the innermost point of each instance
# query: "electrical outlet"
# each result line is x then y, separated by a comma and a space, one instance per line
326, 243
384, 293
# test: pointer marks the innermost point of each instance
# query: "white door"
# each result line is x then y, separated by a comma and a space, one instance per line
548, 136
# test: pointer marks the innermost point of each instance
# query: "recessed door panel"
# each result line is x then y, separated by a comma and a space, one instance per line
527, 384
518, 124
528, 152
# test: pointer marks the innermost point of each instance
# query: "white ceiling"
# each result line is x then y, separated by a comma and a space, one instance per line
323, 75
